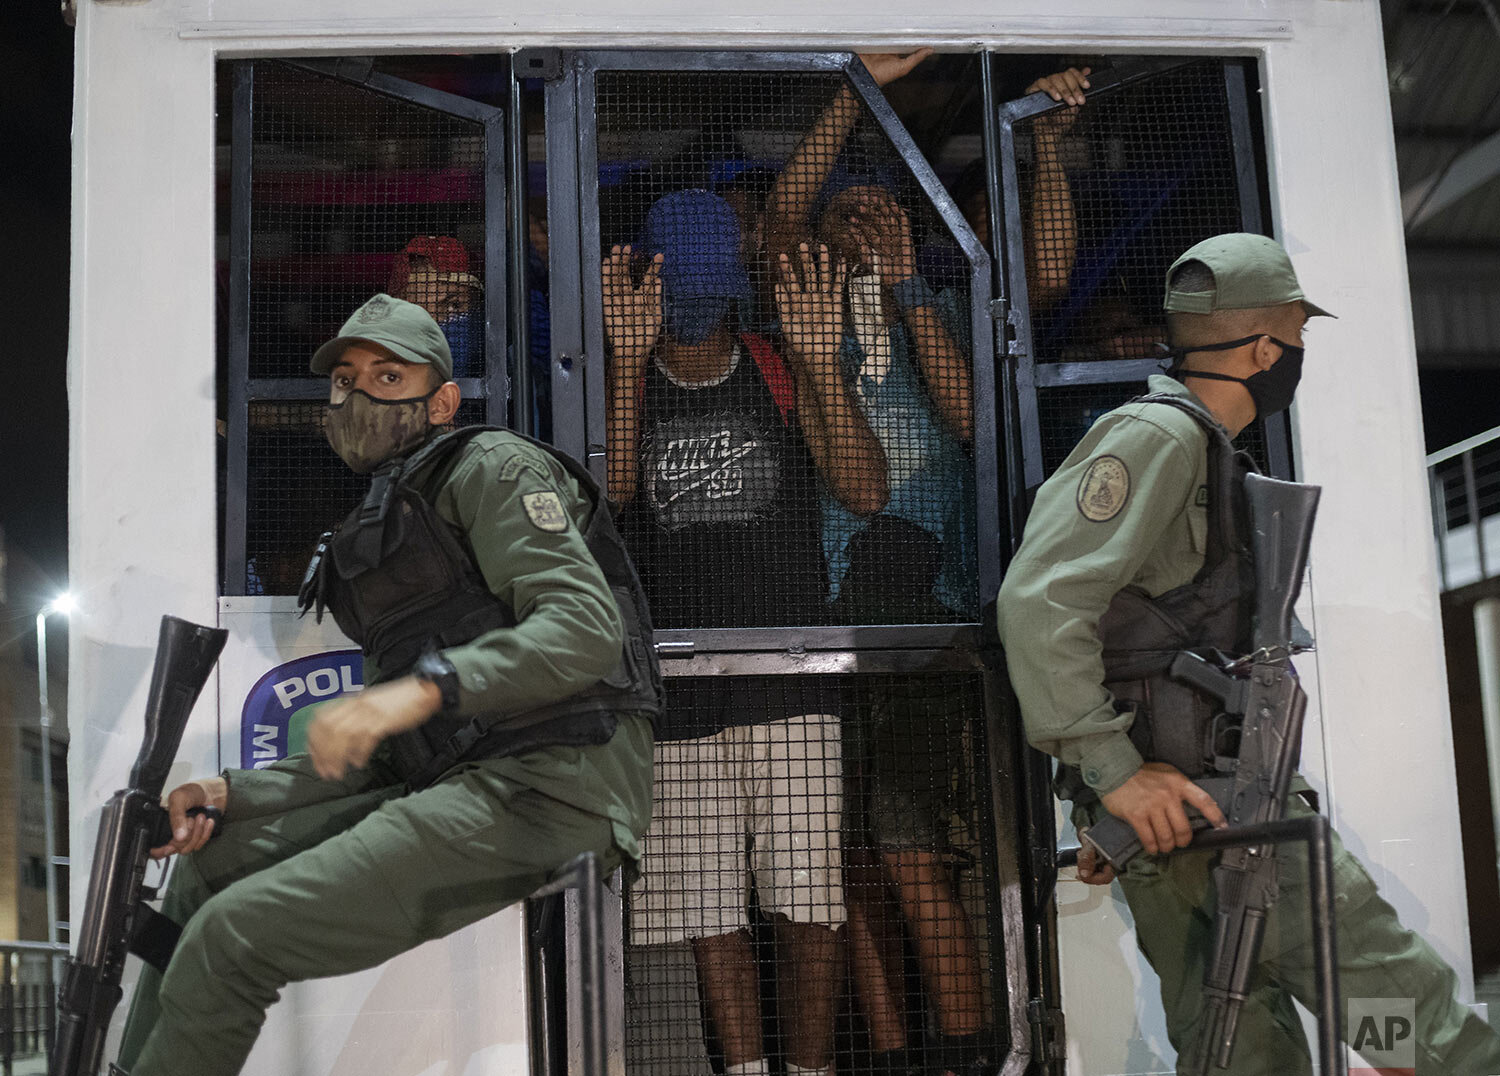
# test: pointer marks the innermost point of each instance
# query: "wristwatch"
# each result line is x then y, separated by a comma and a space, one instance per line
436, 669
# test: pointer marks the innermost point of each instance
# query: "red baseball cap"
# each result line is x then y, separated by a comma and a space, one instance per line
448, 257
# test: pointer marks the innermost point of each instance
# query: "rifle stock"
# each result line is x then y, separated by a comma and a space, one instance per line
133, 823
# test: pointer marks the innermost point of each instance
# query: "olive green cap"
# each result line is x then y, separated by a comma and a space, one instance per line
1250, 271
403, 328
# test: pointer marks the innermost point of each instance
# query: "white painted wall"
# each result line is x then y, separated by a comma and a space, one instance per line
142, 346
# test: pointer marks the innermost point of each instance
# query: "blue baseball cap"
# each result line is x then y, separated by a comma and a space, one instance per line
698, 234
842, 179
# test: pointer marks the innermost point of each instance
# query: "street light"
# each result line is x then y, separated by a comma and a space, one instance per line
63, 605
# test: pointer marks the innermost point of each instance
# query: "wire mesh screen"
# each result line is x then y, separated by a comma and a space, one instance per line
790, 393
352, 192
297, 489
1111, 193
355, 193
1115, 193
813, 889
1065, 415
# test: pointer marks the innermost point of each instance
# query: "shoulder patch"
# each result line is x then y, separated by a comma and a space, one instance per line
545, 511
1104, 489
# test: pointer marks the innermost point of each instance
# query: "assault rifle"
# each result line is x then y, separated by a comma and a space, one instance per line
116, 919
1258, 694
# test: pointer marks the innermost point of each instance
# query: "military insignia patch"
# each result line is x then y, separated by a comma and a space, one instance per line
545, 512
1202, 500
374, 310
1104, 489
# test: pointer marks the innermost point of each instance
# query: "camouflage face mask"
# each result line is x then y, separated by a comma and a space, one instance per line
366, 431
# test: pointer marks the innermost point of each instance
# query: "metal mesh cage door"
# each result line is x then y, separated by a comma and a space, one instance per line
1096, 204
343, 183
787, 302
783, 331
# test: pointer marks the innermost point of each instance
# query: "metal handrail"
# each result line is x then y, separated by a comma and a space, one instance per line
28, 1010
1464, 484
1477, 441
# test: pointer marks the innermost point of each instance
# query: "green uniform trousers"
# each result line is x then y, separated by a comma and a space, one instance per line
312, 878
1172, 900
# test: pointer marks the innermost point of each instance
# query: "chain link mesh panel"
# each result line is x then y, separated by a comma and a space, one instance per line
803, 807
1115, 194
790, 369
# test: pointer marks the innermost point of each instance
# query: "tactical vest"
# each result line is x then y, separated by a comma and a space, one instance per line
400, 580
1141, 634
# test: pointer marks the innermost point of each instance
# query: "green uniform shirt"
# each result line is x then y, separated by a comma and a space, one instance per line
1128, 506
522, 514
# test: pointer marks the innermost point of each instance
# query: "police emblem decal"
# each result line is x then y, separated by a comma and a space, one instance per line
1104, 489
545, 512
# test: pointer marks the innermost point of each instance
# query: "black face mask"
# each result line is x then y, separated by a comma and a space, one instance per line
1270, 390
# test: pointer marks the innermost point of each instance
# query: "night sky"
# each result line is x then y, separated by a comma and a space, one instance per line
36, 54
35, 118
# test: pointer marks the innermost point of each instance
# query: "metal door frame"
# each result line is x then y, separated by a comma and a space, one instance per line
1027, 375
578, 331
243, 390
579, 427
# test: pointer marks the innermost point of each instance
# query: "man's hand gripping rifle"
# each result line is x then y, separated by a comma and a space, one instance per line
116, 919
1260, 694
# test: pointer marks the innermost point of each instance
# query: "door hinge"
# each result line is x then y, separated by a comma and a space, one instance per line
1007, 336
1048, 1031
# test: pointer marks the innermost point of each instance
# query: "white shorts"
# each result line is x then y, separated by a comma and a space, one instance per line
758, 801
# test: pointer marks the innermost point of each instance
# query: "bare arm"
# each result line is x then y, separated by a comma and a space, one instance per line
885, 231
632, 321
846, 452
945, 368
1052, 223
789, 205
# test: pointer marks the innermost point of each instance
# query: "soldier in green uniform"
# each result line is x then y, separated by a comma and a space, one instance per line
506, 729
1133, 507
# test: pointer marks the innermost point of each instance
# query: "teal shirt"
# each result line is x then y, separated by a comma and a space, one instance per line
930, 472
1127, 507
